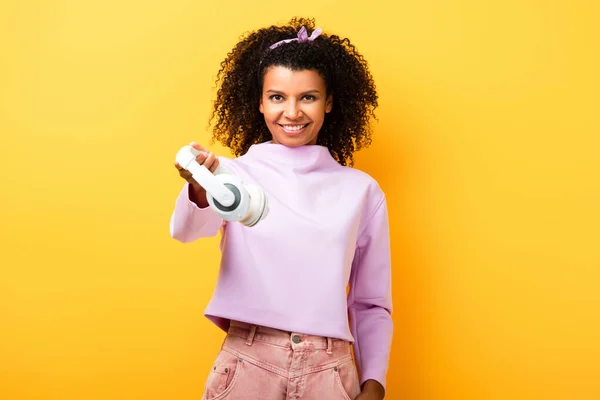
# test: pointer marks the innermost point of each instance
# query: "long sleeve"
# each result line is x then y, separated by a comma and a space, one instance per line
190, 222
370, 298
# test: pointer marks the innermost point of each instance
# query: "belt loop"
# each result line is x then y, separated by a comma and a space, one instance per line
251, 335
329, 346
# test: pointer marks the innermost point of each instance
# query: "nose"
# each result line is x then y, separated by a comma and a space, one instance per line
292, 110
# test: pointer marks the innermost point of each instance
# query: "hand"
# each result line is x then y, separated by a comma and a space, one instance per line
205, 158
196, 193
372, 390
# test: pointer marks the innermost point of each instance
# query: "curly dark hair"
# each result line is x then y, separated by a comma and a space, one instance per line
239, 123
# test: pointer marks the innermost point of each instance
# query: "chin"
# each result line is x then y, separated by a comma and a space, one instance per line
294, 141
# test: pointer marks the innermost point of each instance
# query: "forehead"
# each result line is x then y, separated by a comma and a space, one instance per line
284, 79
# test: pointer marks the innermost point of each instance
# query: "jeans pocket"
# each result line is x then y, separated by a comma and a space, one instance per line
347, 379
222, 377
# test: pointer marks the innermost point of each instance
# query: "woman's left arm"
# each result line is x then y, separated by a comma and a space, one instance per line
370, 303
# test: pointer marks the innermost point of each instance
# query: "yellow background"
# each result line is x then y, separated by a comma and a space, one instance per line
487, 147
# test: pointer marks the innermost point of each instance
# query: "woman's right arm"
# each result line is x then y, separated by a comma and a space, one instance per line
192, 217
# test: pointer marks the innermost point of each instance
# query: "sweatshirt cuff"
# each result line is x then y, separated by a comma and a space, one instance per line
190, 222
376, 374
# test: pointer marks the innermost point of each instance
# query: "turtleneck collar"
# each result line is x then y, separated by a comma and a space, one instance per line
312, 156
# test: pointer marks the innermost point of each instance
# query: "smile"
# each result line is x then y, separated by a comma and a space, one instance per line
293, 128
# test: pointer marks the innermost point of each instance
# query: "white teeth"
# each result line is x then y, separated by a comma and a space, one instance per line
293, 128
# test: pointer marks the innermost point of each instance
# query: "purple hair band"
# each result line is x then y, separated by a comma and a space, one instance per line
302, 37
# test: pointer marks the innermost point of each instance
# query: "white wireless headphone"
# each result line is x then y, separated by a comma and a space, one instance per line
227, 195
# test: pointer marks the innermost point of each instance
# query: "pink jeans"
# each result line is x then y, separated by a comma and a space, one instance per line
262, 363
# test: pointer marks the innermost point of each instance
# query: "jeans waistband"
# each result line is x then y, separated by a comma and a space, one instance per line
282, 338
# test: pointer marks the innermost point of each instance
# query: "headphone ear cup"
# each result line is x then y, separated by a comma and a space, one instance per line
258, 207
239, 208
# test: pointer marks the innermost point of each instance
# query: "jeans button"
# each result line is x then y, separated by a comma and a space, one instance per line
296, 339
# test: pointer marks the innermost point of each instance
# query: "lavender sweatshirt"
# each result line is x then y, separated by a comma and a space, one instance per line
327, 228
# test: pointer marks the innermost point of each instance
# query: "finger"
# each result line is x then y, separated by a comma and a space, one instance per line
197, 146
214, 166
181, 170
201, 158
210, 160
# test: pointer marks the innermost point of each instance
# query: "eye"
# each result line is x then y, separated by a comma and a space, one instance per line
276, 97
310, 97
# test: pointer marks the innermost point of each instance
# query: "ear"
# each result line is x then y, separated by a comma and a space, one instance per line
329, 103
260, 106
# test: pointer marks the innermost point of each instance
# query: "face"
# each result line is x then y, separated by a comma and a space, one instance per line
294, 104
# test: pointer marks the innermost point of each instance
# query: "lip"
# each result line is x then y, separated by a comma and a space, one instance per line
296, 132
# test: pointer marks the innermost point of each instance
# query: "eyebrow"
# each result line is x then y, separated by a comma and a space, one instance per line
307, 92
